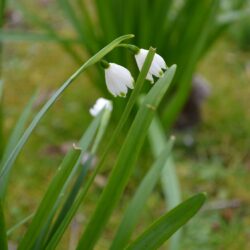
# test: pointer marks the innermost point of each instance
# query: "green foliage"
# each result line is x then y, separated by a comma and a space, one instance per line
185, 32
126, 161
138, 201
8, 163
168, 224
169, 179
73, 179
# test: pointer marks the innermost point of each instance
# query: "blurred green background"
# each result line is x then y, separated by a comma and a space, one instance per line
212, 151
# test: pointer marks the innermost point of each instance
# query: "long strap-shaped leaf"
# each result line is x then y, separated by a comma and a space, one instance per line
137, 204
69, 205
97, 57
126, 161
169, 179
51, 199
167, 225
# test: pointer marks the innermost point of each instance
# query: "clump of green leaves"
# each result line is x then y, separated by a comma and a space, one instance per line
73, 179
182, 31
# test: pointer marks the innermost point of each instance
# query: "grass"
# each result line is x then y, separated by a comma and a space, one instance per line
218, 164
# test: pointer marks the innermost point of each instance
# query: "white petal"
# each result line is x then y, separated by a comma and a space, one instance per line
114, 85
156, 67
140, 57
123, 74
100, 104
160, 61
150, 78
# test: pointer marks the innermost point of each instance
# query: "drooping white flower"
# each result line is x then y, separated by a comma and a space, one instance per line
157, 66
100, 104
118, 79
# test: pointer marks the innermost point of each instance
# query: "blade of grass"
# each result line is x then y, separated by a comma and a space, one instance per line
125, 162
168, 224
7, 165
137, 204
3, 236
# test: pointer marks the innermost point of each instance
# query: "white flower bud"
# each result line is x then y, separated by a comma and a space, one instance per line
101, 104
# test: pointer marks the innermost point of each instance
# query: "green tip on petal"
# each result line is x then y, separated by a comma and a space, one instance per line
161, 73
122, 94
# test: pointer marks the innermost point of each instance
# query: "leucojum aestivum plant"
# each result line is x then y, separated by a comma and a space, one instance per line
76, 173
183, 31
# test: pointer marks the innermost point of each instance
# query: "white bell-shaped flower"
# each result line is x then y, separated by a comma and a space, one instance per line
118, 79
157, 66
101, 103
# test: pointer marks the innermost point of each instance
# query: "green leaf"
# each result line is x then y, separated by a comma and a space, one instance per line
168, 224
49, 200
7, 165
125, 162
169, 179
3, 236
55, 192
63, 219
137, 204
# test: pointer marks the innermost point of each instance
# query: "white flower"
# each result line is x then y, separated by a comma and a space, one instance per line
100, 104
158, 64
118, 79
